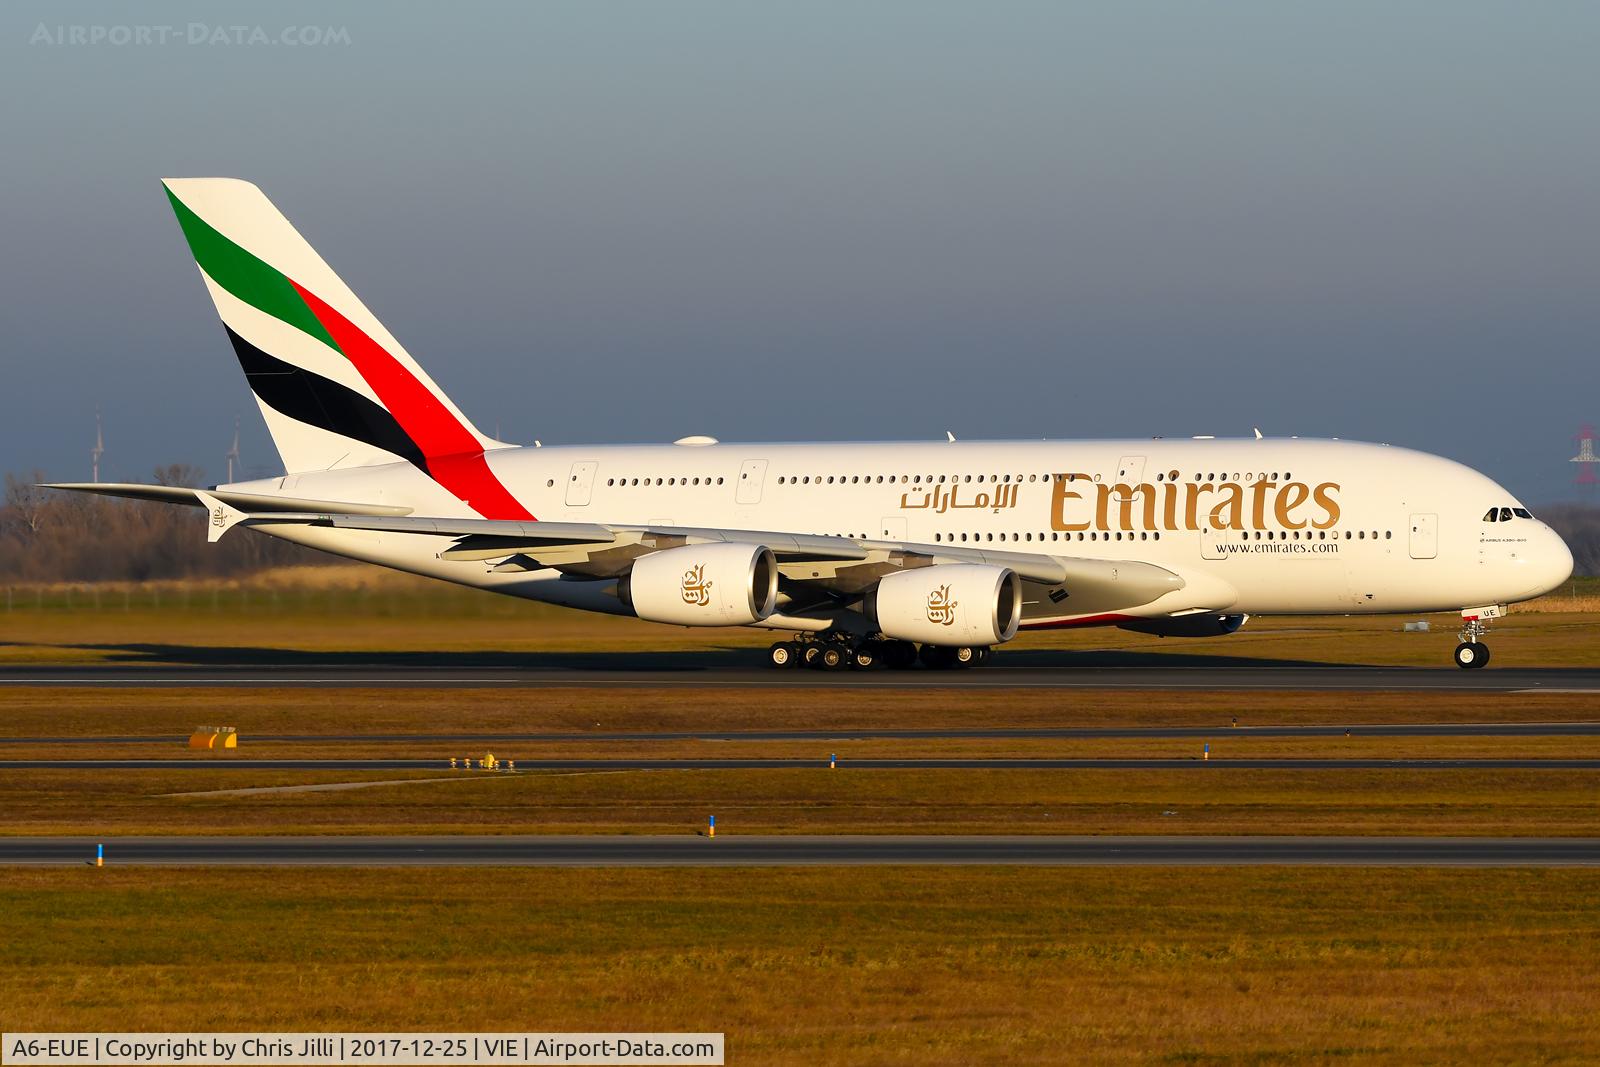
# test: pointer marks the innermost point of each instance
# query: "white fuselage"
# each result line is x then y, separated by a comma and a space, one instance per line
1253, 526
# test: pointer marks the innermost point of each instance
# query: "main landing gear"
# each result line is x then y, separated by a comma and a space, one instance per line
833, 652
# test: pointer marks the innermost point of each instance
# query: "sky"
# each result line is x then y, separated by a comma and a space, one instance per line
599, 222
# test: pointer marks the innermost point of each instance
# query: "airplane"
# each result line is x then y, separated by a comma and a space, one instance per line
870, 554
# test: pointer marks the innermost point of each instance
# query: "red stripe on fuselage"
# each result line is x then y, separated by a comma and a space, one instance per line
454, 456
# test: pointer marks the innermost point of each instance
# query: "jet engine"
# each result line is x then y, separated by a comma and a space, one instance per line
1198, 624
951, 604
723, 584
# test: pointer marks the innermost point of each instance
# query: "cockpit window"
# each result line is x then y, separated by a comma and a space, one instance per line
1492, 515
1522, 513
1505, 514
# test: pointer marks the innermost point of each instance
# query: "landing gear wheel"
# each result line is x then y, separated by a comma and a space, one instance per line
831, 657
965, 656
783, 654
866, 656
809, 654
1471, 654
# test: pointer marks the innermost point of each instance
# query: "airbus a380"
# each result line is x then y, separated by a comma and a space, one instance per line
871, 554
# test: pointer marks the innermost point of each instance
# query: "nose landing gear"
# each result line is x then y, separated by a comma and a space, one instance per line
1472, 653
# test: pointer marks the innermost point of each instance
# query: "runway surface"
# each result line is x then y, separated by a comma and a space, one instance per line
1182, 675
690, 764
1218, 732
735, 851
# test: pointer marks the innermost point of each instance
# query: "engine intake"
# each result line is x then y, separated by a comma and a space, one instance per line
726, 584
948, 604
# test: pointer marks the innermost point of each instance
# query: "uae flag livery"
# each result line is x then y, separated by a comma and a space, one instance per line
335, 388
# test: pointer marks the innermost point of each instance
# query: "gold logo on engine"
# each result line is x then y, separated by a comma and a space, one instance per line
941, 609
696, 590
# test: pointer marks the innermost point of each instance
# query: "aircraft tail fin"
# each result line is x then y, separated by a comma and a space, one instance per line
336, 389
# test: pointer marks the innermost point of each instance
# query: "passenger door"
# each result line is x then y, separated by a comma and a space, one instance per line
580, 483
1424, 536
1130, 470
1211, 540
752, 472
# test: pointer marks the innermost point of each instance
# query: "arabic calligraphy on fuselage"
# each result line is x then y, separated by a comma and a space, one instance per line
940, 498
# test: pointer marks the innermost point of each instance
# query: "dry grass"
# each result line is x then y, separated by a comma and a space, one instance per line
44, 711
950, 966
1208, 800
1225, 745
1212, 799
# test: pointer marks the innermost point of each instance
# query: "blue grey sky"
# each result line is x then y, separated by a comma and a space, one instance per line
635, 221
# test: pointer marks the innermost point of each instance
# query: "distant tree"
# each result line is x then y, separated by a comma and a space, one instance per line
51, 536
184, 474
25, 501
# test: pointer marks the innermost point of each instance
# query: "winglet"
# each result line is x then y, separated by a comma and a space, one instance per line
221, 517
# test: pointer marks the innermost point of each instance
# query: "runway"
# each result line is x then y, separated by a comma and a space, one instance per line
1025, 733
776, 851
695, 675
224, 763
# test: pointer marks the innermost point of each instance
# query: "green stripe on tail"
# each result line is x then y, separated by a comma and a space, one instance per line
245, 276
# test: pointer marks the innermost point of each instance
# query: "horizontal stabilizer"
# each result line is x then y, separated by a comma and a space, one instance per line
247, 502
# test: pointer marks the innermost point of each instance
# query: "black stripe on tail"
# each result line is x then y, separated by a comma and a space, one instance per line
322, 402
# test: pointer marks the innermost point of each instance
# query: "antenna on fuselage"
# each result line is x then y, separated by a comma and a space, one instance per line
1257, 429
950, 437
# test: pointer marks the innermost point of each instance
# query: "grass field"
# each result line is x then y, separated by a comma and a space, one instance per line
1209, 801
889, 965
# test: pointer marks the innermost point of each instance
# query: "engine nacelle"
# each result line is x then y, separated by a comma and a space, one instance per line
1199, 624
725, 584
948, 604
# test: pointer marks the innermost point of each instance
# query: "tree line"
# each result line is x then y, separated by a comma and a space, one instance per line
52, 536
47, 535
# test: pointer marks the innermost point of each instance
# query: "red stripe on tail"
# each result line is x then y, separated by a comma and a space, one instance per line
455, 457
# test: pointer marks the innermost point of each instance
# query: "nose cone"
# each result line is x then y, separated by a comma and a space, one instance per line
1548, 562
